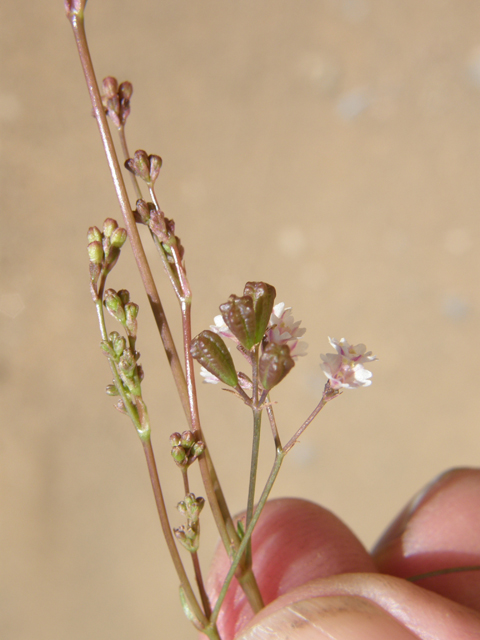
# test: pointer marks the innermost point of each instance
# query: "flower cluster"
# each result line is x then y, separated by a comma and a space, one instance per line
345, 369
282, 329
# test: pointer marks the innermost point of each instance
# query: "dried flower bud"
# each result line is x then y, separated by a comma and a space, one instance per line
94, 235
125, 90
210, 351
175, 439
110, 87
155, 166
263, 296
143, 211
275, 363
118, 238
144, 166
239, 316
109, 227
139, 165
95, 252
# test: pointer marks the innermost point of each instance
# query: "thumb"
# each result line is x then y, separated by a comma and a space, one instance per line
339, 617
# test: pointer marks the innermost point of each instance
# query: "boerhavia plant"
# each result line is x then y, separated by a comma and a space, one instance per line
262, 331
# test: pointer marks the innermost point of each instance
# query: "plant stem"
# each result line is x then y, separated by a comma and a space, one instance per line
78, 25
167, 532
126, 156
328, 394
280, 454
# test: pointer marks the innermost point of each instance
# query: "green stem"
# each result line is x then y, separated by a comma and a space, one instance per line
280, 454
257, 421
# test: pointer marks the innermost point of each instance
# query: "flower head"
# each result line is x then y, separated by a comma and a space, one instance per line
345, 368
283, 330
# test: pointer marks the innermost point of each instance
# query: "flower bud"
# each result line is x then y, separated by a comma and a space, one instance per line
179, 455
95, 252
111, 390
109, 227
143, 211
131, 313
125, 90
188, 439
197, 450
94, 235
239, 316
118, 343
210, 351
263, 296
275, 363
155, 166
114, 305
118, 238
139, 165
175, 439
109, 87
127, 363
124, 296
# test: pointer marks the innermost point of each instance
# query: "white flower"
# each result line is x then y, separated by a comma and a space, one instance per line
283, 329
208, 377
221, 328
345, 368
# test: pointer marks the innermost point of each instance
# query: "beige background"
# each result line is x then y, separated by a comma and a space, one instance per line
330, 147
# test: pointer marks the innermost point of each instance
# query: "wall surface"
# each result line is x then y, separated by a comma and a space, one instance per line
330, 147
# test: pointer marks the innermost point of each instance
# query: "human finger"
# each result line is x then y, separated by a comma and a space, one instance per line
438, 530
294, 542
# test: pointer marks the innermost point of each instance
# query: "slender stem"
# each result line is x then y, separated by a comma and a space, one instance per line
200, 584
328, 394
257, 421
167, 532
280, 454
273, 425
77, 21
211, 490
126, 155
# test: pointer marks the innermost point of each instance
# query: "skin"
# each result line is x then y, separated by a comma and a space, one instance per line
318, 581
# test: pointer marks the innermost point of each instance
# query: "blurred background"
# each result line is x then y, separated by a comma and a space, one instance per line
329, 147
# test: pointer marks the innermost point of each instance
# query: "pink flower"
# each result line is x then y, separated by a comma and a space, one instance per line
283, 329
345, 368
221, 328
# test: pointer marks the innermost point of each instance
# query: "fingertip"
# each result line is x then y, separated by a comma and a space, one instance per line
438, 530
295, 541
